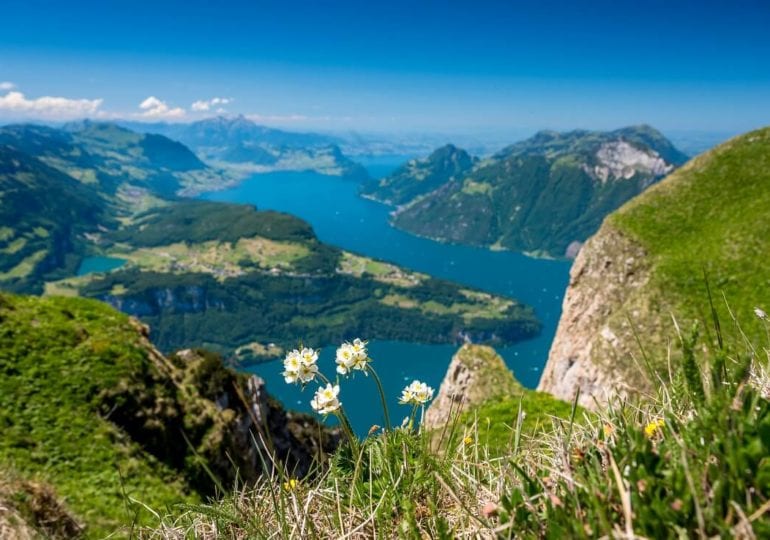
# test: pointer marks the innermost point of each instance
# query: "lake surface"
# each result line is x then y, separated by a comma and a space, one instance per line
342, 218
91, 265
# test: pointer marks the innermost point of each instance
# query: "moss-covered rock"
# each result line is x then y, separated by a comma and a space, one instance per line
476, 374
481, 399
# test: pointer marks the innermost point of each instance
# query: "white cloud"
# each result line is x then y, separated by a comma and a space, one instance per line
154, 108
7, 85
48, 107
203, 105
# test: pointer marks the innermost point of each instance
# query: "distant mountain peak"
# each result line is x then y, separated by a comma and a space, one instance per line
540, 195
418, 177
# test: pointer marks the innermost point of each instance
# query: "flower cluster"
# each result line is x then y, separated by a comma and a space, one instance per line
352, 356
760, 313
325, 400
417, 393
300, 366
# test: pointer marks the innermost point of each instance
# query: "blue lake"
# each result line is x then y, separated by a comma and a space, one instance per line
91, 265
342, 218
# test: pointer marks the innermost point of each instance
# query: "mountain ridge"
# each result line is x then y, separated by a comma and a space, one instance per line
544, 195
246, 147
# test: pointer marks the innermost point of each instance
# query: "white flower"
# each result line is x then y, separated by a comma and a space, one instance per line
291, 366
309, 356
352, 356
360, 353
359, 347
300, 366
417, 393
760, 313
345, 358
325, 400
307, 373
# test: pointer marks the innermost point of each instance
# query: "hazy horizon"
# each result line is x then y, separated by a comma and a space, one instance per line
488, 69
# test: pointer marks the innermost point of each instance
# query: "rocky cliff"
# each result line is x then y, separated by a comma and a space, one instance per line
659, 258
481, 400
476, 374
593, 332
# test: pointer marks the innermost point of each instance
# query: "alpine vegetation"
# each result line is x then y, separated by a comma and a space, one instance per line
689, 460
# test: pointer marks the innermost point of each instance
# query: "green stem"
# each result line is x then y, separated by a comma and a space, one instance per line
345, 423
412, 417
382, 396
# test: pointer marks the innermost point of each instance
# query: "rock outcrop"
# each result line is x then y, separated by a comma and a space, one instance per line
476, 374
685, 250
593, 331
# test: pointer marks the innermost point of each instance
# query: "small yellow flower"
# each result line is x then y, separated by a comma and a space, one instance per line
653, 428
468, 440
291, 484
608, 430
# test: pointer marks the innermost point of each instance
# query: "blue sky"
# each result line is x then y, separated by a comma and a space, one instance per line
474, 67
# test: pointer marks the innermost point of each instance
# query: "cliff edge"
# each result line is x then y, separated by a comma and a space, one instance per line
695, 236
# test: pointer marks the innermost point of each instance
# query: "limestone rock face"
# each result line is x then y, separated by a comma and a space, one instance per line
594, 342
475, 374
620, 160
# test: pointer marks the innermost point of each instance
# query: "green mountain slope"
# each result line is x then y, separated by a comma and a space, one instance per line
125, 165
545, 195
61, 189
231, 278
651, 260
90, 407
420, 176
43, 215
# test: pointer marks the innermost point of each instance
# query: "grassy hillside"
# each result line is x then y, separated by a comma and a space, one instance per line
710, 217
43, 215
689, 248
60, 189
88, 406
